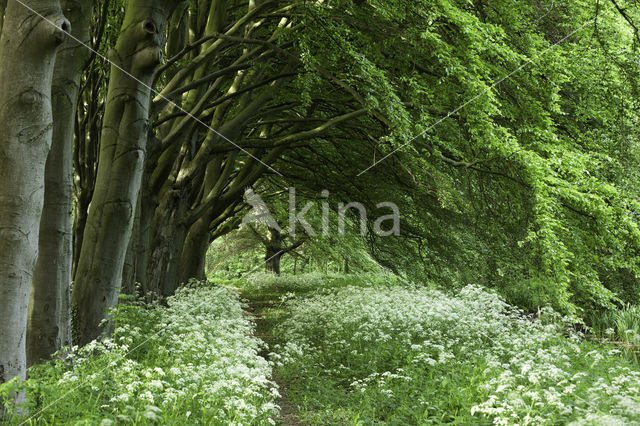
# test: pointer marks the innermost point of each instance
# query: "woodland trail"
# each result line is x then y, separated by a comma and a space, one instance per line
264, 310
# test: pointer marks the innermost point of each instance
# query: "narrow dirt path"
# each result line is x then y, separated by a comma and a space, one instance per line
266, 314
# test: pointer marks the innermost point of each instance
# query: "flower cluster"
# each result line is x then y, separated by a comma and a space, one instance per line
414, 355
194, 361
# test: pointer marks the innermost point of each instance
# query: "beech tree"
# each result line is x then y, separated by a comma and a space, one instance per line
135, 58
50, 311
239, 82
30, 37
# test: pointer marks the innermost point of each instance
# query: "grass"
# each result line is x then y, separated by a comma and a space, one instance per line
621, 327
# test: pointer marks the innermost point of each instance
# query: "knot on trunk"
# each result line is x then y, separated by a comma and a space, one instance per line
51, 29
149, 27
148, 53
61, 27
30, 96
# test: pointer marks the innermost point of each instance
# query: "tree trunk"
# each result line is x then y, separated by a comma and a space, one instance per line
273, 260
28, 47
147, 209
49, 325
120, 165
79, 222
130, 259
194, 252
168, 234
171, 282
274, 251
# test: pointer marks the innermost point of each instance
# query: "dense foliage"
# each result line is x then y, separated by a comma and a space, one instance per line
526, 116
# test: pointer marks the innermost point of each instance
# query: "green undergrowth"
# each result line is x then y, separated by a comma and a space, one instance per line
194, 361
267, 284
621, 327
343, 349
355, 350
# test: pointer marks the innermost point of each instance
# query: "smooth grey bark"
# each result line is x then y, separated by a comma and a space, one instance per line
130, 259
28, 46
144, 228
135, 268
193, 254
138, 52
49, 323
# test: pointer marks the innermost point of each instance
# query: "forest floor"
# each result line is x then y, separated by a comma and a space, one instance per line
368, 350
265, 309
342, 349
